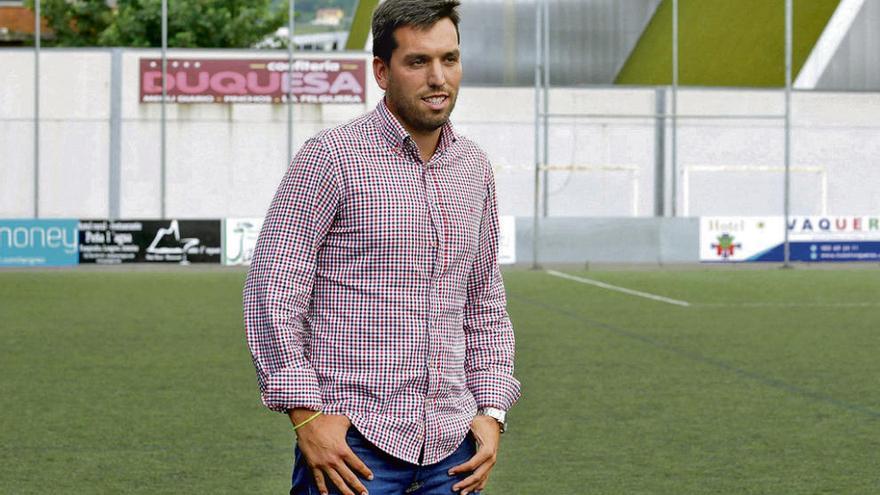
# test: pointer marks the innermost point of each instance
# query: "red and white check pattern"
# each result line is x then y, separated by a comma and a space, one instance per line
374, 290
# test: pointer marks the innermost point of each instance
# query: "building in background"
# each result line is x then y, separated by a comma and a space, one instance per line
326, 41
17, 24
328, 17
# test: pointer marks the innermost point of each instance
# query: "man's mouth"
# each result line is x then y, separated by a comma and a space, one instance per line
436, 102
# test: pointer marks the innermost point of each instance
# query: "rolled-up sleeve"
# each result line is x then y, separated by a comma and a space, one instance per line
487, 326
278, 290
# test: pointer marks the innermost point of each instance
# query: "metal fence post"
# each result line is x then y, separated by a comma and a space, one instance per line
290, 31
787, 194
162, 124
536, 211
37, 35
115, 176
546, 66
660, 152
674, 121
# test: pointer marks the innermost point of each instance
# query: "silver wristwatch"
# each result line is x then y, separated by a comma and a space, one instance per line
496, 414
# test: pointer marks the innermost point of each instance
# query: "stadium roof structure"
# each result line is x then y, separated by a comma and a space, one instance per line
722, 43
742, 43
847, 55
589, 40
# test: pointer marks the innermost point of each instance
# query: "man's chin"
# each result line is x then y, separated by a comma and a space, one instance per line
436, 121
433, 125
421, 120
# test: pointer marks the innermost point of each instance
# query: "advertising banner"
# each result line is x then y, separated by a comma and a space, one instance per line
811, 238
38, 242
507, 240
149, 241
239, 240
254, 80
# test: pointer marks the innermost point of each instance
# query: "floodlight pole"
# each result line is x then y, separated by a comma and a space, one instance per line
536, 221
37, 35
787, 195
674, 119
162, 124
290, 28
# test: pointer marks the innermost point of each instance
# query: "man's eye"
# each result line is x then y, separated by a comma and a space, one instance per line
418, 62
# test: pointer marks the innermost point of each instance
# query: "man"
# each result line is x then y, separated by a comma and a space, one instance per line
374, 307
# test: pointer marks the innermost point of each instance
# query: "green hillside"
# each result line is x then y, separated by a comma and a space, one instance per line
725, 42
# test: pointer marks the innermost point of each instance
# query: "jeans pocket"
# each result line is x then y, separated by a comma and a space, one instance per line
351, 433
301, 482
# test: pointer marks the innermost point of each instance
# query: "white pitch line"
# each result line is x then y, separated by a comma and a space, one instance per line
638, 293
789, 305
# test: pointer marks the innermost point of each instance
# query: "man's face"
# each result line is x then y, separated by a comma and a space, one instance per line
422, 78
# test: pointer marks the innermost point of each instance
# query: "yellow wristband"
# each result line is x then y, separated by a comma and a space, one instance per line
296, 427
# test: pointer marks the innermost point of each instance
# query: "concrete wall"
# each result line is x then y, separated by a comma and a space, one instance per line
726, 167
610, 240
223, 160
226, 160
74, 133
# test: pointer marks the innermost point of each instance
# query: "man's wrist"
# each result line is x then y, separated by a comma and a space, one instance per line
299, 414
499, 415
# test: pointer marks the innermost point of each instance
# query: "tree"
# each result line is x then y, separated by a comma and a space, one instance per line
191, 23
77, 23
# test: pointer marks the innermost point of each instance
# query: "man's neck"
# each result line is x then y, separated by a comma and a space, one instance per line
427, 143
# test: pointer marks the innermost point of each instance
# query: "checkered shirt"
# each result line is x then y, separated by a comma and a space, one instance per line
374, 290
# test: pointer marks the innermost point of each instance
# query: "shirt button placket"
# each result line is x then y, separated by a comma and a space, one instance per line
432, 303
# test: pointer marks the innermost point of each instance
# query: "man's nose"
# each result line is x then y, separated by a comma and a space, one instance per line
436, 77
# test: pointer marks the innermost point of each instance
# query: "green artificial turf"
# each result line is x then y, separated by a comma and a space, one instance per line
140, 382
726, 42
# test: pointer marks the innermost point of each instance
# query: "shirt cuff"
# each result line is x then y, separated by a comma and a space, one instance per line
290, 389
492, 389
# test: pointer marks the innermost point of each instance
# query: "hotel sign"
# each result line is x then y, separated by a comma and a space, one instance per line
811, 238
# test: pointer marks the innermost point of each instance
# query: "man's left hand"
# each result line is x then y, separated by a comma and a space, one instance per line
487, 432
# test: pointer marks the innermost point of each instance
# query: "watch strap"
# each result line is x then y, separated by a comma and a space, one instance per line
498, 415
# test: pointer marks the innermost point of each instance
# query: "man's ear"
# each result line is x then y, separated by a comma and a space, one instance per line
380, 72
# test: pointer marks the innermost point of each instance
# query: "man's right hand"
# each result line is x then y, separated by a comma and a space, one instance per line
322, 442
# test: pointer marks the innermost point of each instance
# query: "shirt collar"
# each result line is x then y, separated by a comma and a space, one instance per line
395, 135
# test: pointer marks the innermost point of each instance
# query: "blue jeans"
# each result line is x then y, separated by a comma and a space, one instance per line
391, 476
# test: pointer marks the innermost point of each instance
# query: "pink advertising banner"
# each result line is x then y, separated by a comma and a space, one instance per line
254, 80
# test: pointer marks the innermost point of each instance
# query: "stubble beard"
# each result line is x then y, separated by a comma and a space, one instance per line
416, 117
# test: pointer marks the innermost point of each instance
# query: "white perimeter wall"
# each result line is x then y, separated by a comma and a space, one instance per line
226, 160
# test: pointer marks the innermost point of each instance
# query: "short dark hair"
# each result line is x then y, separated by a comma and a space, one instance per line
392, 14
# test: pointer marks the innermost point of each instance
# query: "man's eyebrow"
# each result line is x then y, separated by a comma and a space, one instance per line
415, 56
